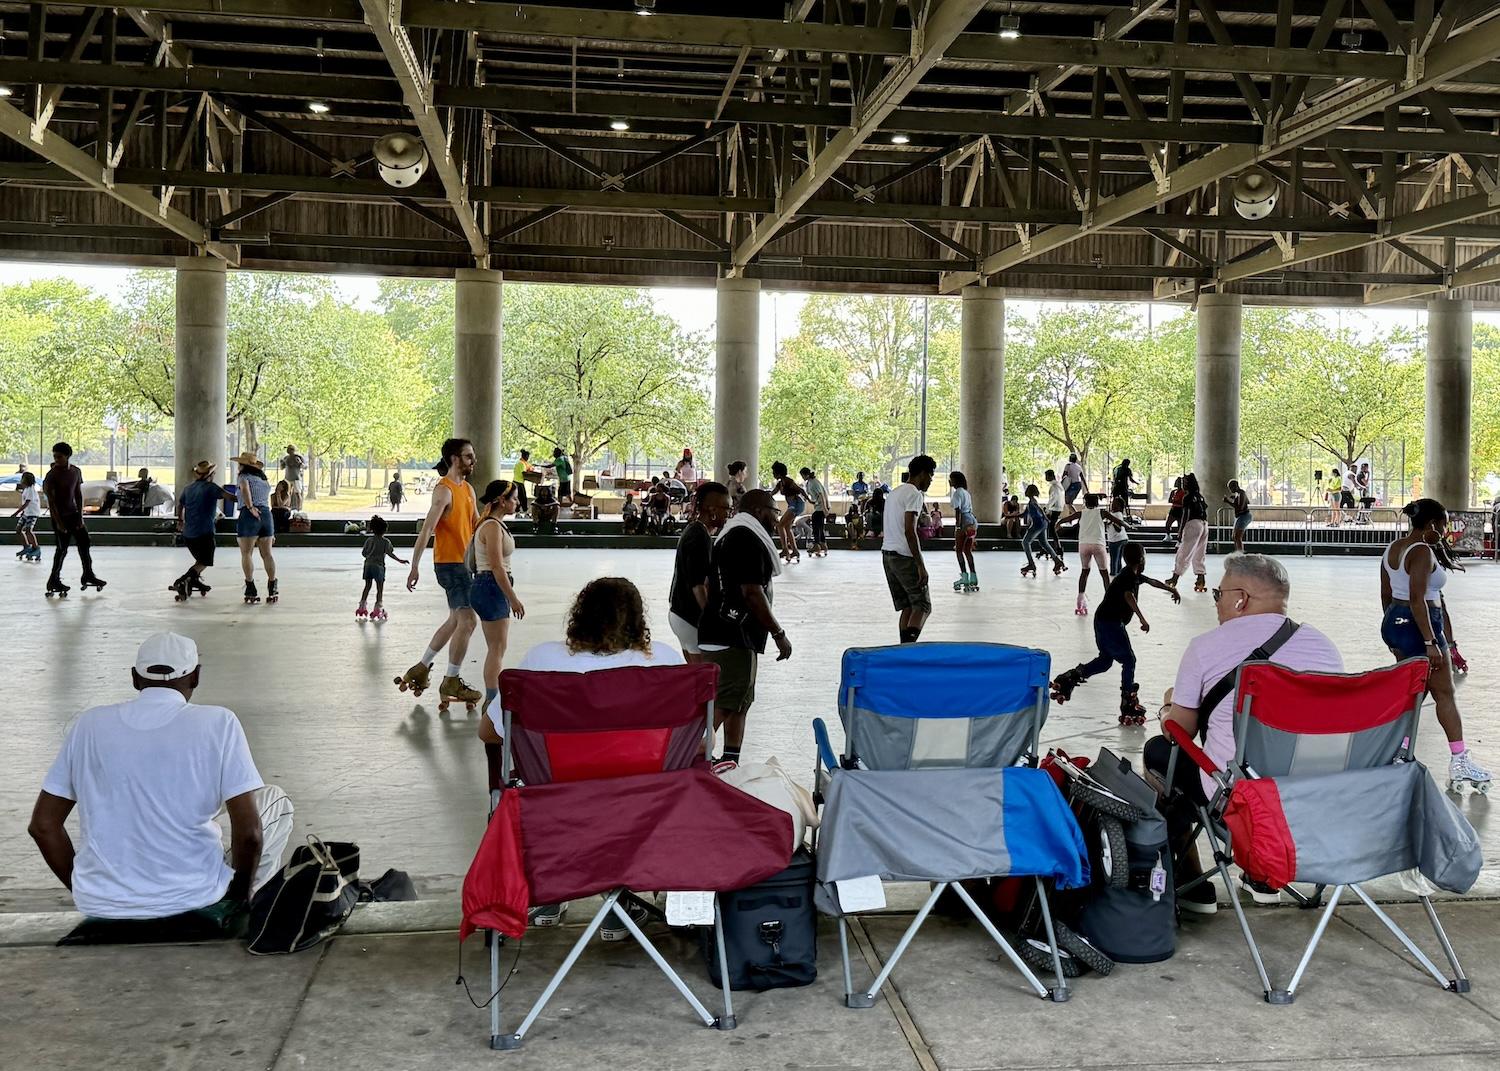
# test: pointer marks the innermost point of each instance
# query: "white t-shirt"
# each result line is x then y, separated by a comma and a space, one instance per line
1115, 535
1072, 473
1054, 497
149, 776
1210, 656
554, 657
904, 498
31, 502
1091, 527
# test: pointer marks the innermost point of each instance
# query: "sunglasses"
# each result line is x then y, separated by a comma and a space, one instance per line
1219, 593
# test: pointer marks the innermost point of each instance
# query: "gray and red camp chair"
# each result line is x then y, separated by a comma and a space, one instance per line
1322, 790
611, 794
931, 787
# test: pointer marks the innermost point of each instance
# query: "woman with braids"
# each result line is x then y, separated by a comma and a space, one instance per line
1413, 572
606, 630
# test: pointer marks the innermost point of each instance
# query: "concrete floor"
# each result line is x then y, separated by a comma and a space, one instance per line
365, 763
365, 1001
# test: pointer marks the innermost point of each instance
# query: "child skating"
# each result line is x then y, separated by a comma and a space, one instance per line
1112, 636
376, 550
1091, 521
1116, 538
26, 516
1037, 525
965, 530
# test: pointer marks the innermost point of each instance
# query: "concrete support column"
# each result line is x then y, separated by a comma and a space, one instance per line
200, 401
737, 378
981, 398
478, 331
1450, 388
1216, 431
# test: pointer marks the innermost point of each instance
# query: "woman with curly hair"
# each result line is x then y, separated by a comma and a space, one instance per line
606, 630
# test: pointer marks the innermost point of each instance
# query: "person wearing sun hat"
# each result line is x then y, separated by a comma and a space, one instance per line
150, 776
254, 525
197, 509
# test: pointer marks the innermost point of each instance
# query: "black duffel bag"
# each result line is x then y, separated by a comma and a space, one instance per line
770, 931
307, 901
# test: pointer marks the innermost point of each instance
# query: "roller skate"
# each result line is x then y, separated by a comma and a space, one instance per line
58, 588
23, 554
1062, 688
251, 595
272, 595
91, 582
1028, 570
1460, 663
415, 680
973, 582
195, 583
1131, 711
179, 589
1201, 584
34, 554
361, 614
1081, 608
454, 690
1464, 773
1059, 567
378, 614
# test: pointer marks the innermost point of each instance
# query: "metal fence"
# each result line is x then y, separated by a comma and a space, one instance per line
1288, 527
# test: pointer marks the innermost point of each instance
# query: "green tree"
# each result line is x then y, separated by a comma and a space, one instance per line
48, 333
1485, 440
812, 413
420, 313
592, 368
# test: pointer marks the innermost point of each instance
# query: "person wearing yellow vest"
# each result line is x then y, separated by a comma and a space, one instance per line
450, 525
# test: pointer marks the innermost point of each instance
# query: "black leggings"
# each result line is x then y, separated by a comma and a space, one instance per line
67, 533
818, 518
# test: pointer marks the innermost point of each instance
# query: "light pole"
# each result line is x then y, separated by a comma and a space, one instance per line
922, 440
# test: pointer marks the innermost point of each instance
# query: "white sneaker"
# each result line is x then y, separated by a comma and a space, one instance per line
1463, 767
1261, 893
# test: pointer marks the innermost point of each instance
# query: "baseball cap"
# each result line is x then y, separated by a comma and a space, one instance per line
166, 656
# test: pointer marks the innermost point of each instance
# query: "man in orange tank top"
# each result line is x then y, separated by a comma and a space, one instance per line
450, 525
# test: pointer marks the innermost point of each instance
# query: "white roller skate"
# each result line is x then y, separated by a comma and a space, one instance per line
1464, 773
1081, 608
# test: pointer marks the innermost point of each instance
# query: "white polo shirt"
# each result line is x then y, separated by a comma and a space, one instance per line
149, 776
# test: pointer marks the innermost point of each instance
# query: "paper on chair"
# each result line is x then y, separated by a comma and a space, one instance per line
690, 909
861, 894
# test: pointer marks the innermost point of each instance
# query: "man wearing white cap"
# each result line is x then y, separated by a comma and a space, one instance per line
149, 777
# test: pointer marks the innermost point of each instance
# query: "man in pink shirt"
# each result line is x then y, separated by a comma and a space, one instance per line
1251, 602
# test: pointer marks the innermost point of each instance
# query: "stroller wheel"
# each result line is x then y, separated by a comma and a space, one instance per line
1113, 856
1035, 953
1104, 803
1078, 947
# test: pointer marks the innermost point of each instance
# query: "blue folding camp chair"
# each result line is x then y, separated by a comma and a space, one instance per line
944, 713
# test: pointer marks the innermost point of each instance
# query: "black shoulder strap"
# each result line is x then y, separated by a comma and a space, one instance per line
1215, 695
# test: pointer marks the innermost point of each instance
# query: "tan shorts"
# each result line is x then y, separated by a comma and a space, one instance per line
737, 667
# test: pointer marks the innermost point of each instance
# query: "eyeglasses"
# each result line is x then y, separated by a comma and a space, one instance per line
1219, 593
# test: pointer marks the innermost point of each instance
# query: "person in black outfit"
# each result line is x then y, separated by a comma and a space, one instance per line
63, 489
737, 619
690, 570
1110, 633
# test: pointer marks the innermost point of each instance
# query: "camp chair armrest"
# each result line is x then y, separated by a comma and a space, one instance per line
1184, 739
826, 753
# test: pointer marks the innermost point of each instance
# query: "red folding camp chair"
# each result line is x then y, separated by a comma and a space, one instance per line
567, 727
1290, 725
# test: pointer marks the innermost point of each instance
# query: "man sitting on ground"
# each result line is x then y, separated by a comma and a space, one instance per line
150, 776
1251, 602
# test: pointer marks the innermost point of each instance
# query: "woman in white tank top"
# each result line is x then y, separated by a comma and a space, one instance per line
1413, 572
493, 595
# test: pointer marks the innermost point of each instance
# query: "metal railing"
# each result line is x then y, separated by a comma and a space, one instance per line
1286, 527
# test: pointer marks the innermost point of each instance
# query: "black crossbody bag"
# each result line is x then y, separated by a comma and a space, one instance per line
1215, 695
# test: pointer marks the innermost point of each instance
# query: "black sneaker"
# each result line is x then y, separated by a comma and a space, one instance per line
613, 929
1201, 899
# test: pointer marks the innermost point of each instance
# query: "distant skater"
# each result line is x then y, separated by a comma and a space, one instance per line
1037, 525
901, 549
254, 526
1192, 542
26, 516
796, 502
1091, 546
197, 512
395, 491
376, 550
965, 531
1240, 503
63, 487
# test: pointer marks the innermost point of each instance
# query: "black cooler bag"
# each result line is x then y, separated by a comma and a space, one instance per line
770, 931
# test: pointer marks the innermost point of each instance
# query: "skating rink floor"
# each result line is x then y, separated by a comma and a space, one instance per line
366, 763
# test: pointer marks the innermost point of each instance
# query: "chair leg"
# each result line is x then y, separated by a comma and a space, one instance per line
1460, 982
999, 939
1221, 862
867, 998
513, 1041
494, 990
1060, 994
726, 1021
1407, 943
665, 967
844, 956
1312, 945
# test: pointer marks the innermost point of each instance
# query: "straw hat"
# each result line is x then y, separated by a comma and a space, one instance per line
203, 468
247, 457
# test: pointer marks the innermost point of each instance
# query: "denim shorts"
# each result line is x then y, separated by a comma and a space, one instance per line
1242, 520
456, 580
1400, 633
249, 526
487, 600
375, 571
